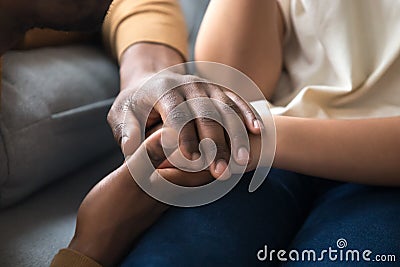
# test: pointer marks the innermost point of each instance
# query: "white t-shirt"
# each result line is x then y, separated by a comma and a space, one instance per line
342, 59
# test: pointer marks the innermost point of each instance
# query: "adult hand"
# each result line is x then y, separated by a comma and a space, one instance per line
117, 211
179, 177
128, 117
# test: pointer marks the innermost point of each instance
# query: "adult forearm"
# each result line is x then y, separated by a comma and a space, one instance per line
143, 59
112, 216
362, 151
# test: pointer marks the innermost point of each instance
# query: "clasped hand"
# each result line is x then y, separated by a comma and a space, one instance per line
198, 109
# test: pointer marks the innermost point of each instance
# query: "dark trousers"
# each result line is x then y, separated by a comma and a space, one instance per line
288, 212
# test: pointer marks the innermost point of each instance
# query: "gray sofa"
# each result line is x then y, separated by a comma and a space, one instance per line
55, 143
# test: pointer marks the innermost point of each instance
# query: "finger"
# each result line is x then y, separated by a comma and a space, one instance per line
187, 179
252, 123
175, 114
125, 127
235, 127
160, 145
207, 127
177, 160
131, 134
166, 163
151, 153
153, 129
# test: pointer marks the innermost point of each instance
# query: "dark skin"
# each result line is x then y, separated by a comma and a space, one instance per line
133, 211
143, 60
109, 243
16, 17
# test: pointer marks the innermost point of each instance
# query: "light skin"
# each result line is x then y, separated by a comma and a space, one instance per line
254, 50
351, 151
360, 150
363, 151
132, 211
141, 61
117, 196
138, 63
331, 149
107, 241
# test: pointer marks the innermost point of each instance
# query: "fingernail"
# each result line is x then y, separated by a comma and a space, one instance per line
256, 124
243, 155
221, 166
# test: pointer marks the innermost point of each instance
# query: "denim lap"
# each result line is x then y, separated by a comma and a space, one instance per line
230, 231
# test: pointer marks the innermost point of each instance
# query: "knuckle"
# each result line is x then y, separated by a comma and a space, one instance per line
222, 150
169, 99
197, 86
118, 108
194, 90
156, 157
159, 85
191, 91
230, 108
232, 95
191, 144
110, 117
239, 138
133, 103
188, 140
113, 116
208, 113
208, 122
188, 78
178, 116
241, 105
249, 113
118, 131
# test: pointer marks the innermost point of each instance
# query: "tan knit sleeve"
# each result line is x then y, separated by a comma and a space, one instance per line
69, 258
157, 21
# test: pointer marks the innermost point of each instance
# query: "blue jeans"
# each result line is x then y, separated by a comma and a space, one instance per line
290, 212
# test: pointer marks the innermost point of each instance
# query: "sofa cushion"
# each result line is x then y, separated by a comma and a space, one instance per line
33, 231
54, 105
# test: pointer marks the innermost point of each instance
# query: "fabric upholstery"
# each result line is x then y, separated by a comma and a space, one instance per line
54, 104
33, 230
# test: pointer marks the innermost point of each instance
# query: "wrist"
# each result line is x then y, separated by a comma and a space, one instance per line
110, 243
284, 138
112, 217
142, 60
